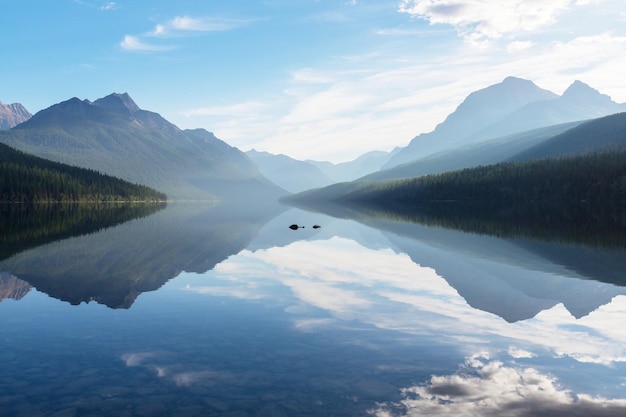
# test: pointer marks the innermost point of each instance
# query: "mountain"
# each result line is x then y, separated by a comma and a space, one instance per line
579, 102
12, 115
474, 154
114, 136
291, 174
608, 132
605, 133
479, 110
351, 170
26, 179
304, 175
507, 108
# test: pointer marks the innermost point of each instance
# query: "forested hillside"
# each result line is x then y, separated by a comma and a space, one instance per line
597, 177
26, 178
112, 135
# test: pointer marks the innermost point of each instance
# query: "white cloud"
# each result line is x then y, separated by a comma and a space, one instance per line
109, 5
178, 26
337, 114
517, 46
133, 43
182, 24
488, 19
492, 388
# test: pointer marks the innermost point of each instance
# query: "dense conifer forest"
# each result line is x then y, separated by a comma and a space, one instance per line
596, 177
28, 179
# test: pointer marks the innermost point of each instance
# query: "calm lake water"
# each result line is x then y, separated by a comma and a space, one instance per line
199, 311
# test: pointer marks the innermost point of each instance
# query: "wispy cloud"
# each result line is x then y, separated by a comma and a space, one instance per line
330, 113
134, 43
109, 5
184, 24
178, 27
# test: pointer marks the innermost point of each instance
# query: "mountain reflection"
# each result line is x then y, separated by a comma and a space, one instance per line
25, 226
114, 266
13, 287
455, 290
356, 317
594, 225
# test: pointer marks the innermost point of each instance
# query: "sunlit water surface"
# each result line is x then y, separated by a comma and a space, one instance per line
345, 320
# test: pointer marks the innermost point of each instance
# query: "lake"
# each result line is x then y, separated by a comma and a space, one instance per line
194, 310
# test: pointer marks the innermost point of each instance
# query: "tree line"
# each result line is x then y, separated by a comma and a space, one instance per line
594, 177
28, 179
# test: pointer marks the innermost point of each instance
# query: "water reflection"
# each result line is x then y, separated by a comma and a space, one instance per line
25, 226
375, 316
13, 287
487, 387
115, 265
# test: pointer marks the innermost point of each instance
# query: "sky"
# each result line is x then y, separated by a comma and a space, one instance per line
312, 79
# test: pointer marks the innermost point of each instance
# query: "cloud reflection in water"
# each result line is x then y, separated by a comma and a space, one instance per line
348, 282
491, 388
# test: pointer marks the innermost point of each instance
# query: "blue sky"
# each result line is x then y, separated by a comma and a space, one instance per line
325, 79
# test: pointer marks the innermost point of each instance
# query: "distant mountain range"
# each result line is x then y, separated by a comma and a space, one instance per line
598, 145
291, 174
113, 135
491, 125
512, 106
304, 175
12, 115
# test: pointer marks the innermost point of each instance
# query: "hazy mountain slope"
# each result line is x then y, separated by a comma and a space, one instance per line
291, 174
483, 153
500, 110
607, 132
112, 135
351, 170
12, 115
578, 102
479, 110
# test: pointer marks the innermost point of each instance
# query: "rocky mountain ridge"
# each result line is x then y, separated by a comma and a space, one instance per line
12, 114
